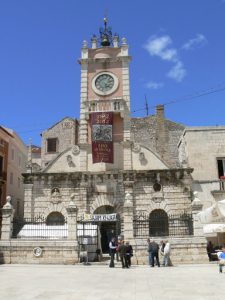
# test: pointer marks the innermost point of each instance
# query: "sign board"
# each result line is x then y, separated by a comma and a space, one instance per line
100, 217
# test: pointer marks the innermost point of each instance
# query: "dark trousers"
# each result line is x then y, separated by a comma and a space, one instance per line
128, 260
112, 254
124, 261
155, 255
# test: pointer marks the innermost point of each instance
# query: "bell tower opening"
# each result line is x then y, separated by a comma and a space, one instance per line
108, 229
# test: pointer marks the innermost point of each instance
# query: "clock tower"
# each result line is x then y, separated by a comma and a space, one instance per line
104, 137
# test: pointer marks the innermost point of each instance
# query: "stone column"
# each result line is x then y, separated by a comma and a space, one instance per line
196, 208
72, 221
7, 218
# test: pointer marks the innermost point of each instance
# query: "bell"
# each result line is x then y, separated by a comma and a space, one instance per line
105, 41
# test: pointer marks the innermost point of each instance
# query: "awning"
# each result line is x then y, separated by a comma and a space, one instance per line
214, 228
213, 213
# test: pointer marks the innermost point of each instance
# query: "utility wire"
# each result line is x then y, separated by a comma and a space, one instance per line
189, 97
198, 94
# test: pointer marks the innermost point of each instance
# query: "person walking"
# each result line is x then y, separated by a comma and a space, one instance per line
210, 250
112, 251
123, 256
149, 252
167, 250
161, 251
154, 249
221, 257
129, 253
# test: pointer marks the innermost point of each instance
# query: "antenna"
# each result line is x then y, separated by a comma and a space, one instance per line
146, 105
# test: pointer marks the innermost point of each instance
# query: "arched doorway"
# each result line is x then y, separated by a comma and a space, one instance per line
158, 223
107, 229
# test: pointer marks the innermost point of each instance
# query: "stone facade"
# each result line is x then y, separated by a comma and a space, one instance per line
66, 134
146, 177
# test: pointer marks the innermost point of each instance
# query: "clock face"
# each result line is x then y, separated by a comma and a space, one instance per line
104, 82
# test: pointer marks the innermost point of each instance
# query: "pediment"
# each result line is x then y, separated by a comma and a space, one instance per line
67, 161
144, 158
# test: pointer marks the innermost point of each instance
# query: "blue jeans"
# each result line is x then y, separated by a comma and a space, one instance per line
166, 260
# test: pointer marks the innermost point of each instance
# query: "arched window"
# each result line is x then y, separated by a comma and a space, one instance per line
158, 223
55, 218
105, 209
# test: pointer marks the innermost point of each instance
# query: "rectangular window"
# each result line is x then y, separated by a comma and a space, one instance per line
52, 145
11, 178
12, 154
221, 167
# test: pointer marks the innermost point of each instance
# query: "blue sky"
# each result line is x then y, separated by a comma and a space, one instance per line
178, 50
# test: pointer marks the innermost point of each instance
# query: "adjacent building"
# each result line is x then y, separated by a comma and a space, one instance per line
203, 148
4, 145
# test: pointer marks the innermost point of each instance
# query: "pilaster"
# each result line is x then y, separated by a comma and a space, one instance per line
196, 208
128, 212
83, 93
72, 221
127, 156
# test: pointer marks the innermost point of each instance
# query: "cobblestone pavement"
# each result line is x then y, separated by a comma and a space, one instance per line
79, 282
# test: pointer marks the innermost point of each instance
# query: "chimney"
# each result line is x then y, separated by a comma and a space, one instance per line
160, 112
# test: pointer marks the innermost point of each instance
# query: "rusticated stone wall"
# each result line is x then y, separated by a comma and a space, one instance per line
53, 252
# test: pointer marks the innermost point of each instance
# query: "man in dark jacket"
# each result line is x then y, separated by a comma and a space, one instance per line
123, 256
112, 251
154, 249
129, 253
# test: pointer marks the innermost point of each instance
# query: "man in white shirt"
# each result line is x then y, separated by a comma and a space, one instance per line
166, 252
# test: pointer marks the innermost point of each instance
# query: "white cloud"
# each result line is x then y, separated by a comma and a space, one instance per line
159, 46
154, 85
162, 48
177, 72
199, 41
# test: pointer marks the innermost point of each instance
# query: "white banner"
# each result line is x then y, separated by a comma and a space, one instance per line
100, 218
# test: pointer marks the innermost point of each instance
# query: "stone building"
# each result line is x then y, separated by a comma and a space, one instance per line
107, 174
4, 145
13, 158
203, 148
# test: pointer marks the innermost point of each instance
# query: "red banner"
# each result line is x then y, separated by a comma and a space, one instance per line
102, 141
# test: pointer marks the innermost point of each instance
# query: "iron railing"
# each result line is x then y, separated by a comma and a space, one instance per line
37, 228
169, 225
